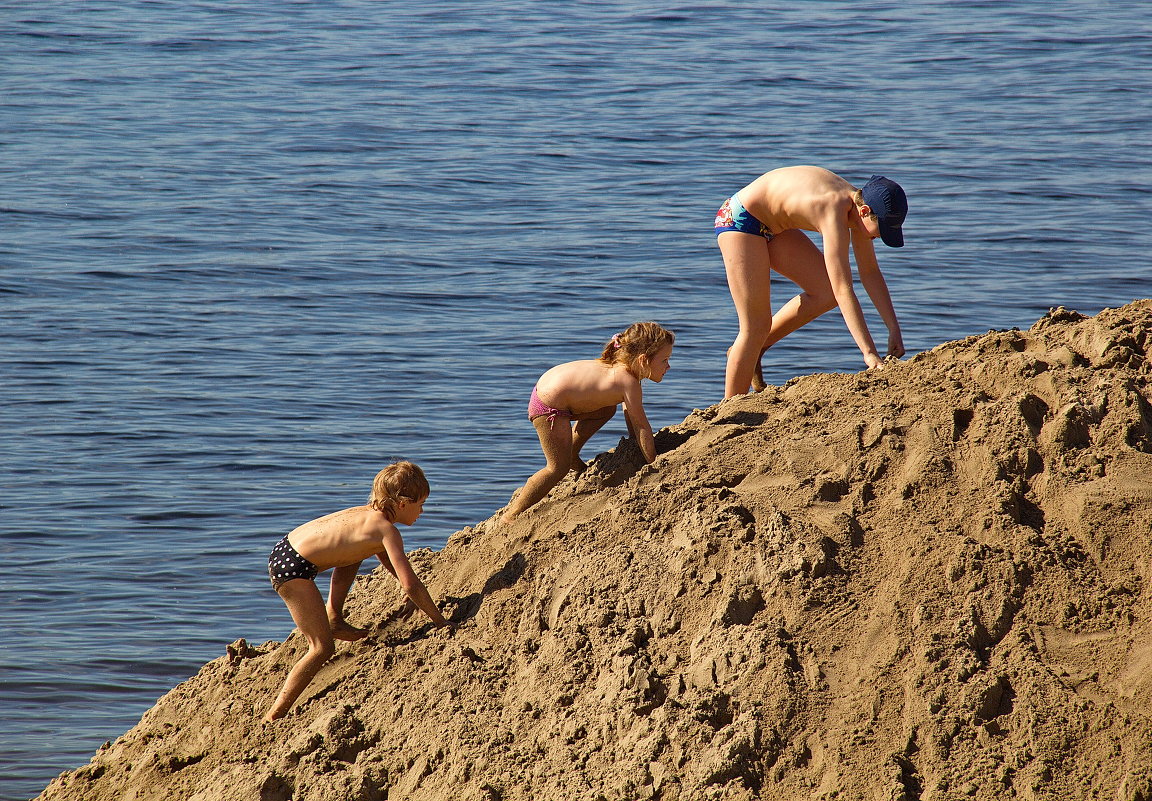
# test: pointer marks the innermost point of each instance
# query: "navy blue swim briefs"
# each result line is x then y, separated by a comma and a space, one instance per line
285, 564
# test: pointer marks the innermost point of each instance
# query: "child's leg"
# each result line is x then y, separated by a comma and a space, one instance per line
587, 425
556, 442
303, 600
342, 578
747, 266
796, 258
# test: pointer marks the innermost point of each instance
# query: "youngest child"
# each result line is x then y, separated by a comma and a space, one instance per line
587, 393
341, 540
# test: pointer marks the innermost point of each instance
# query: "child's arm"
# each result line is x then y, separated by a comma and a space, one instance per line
638, 425
877, 289
834, 233
394, 558
383, 557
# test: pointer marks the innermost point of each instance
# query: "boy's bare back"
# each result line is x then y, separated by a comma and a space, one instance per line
797, 197
342, 538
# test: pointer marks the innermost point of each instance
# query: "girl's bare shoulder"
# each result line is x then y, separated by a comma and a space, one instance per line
577, 372
620, 377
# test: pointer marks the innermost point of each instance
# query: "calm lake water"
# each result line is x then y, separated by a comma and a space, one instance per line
251, 252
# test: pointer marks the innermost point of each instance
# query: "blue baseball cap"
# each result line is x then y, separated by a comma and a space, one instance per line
890, 205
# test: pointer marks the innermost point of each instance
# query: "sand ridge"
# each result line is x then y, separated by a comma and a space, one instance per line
927, 582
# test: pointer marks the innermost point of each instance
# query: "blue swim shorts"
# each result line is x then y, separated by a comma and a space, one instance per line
732, 216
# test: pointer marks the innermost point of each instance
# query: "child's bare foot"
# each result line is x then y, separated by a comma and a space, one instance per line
342, 630
508, 518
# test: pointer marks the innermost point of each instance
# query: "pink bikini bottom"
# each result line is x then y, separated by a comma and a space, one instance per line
538, 408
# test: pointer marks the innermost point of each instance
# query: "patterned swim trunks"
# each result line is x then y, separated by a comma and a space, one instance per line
285, 564
732, 216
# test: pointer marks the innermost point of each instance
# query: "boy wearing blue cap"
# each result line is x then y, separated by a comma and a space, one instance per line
761, 228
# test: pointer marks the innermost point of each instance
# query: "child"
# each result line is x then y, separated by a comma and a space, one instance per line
760, 229
340, 541
587, 393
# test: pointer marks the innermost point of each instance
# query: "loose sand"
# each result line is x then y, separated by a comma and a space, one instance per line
928, 582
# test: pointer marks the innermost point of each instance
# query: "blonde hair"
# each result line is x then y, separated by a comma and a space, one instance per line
858, 199
400, 481
638, 339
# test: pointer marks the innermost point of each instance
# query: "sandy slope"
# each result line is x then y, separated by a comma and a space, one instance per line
930, 582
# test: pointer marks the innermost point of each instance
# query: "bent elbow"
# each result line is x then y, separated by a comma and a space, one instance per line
409, 583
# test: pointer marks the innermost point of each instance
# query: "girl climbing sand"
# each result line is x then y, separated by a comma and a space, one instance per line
587, 393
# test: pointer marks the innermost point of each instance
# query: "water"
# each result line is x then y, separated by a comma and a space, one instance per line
250, 252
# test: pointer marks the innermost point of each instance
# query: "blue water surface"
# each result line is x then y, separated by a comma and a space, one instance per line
251, 252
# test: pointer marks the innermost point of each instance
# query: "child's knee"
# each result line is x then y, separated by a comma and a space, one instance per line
323, 649
755, 332
822, 301
556, 468
556, 471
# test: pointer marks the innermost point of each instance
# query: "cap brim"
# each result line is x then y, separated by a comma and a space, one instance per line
892, 235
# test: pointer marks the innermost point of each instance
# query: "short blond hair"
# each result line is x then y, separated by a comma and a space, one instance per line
399, 481
858, 199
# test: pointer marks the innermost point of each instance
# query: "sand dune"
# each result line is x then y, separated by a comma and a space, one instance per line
928, 582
